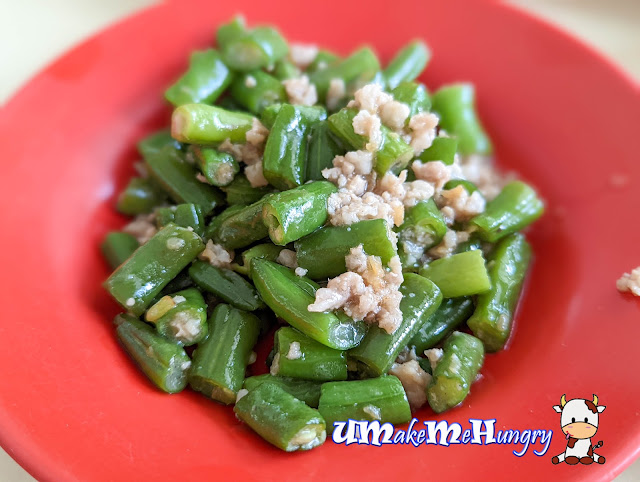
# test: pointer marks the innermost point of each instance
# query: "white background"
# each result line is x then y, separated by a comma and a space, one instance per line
35, 32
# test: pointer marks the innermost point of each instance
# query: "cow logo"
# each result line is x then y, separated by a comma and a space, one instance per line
579, 422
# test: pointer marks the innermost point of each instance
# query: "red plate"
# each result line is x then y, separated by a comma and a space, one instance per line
72, 407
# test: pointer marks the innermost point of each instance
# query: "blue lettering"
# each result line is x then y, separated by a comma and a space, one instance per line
476, 428
411, 432
506, 437
349, 437
376, 431
337, 435
545, 438
399, 437
524, 439
440, 433
442, 427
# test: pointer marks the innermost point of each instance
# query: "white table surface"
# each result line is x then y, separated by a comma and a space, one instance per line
612, 26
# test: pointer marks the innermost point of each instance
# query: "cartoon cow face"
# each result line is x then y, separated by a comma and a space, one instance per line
579, 417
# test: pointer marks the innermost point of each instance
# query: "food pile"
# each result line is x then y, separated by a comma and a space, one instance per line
334, 208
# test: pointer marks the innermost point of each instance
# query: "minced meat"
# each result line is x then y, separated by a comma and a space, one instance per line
345, 207
351, 171
255, 175
630, 282
434, 172
216, 255
251, 151
258, 133
367, 291
368, 125
300, 91
463, 206
337, 91
302, 55
371, 98
414, 381
288, 258
423, 131
294, 351
434, 355
448, 244
394, 114
480, 170
142, 227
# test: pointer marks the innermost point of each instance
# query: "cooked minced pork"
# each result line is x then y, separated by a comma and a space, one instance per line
367, 291
630, 282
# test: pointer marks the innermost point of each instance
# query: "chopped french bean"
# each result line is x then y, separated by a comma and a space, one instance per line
513, 209
207, 78
423, 227
306, 390
256, 90
162, 361
413, 94
259, 251
226, 285
452, 377
467, 185
253, 49
209, 124
493, 317
323, 148
241, 226
323, 59
228, 32
361, 64
218, 168
286, 151
461, 274
456, 106
281, 419
180, 317
407, 64
322, 252
140, 196
178, 178
290, 215
157, 141
381, 399
449, 315
299, 356
117, 247
220, 361
240, 191
442, 149
142, 276
185, 215
289, 295
285, 70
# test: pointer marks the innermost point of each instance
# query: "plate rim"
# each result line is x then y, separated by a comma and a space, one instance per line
19, 444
